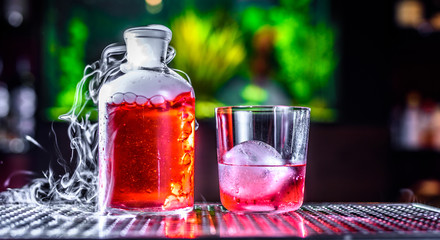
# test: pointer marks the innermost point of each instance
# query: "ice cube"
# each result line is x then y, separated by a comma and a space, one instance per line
253, 153
253, 170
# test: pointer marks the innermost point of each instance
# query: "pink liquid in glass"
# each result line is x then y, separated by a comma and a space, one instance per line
257, 188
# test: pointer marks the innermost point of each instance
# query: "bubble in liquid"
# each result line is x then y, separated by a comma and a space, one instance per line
129, 97
141, 100
187, 146
157, 100
176, 188
186, 159
188, 117
118, 98
186, 131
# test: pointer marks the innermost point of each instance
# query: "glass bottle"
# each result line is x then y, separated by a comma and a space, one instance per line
146, 130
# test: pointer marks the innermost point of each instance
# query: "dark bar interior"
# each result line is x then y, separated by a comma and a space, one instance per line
369, 71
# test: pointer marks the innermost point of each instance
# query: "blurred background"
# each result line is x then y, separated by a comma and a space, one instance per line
369, 71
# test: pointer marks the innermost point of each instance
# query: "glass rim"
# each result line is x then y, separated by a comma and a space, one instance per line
260, 108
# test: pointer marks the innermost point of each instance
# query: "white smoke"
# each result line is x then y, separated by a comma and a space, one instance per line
78, 182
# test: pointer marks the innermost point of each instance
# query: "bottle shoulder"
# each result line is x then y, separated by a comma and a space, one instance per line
147, 83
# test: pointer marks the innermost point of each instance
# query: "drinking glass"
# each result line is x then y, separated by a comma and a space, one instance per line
262, 156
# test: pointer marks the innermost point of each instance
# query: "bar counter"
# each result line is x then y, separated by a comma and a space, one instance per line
211, 220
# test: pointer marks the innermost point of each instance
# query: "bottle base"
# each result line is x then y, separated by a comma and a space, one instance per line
146, 211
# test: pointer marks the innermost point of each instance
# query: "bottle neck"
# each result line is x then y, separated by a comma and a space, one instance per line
145, 52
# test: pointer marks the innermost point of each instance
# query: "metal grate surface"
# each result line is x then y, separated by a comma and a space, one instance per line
212, 220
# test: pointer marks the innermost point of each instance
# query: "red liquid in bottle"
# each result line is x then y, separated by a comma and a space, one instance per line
150, 154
